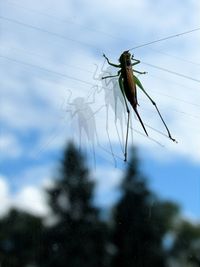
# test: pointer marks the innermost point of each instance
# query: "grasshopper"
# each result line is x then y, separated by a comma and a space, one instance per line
128, 82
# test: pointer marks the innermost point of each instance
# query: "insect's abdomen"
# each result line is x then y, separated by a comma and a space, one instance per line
130, 87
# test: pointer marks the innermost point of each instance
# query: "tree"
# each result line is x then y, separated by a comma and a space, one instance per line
78, 238
20, 236
140, 222
185, 250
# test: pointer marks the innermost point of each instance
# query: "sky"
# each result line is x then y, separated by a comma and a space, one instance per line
51, 92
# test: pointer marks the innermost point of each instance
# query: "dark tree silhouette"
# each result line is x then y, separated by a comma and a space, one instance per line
20, 237
185, 250
78, 238
140, 222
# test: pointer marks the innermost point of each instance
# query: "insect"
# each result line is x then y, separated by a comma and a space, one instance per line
128, 82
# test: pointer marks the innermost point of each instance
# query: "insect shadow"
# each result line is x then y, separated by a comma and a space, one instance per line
113, 100
83, 117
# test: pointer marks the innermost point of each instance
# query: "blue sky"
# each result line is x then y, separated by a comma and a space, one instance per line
51, 64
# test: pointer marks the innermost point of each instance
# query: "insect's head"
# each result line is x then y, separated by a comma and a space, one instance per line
125, 58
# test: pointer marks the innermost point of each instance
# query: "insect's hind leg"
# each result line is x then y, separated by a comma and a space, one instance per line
128, 111
140, 120
154, 104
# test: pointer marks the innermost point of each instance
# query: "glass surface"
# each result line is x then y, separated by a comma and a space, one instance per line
68, 197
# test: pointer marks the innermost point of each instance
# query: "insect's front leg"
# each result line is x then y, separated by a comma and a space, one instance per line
111, 76
136, 61
112, 64
144, 72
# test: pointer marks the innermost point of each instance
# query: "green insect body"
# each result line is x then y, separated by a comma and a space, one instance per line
128, 83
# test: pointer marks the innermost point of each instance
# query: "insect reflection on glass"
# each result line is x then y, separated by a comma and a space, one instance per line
128, 82
80, 109
113, 100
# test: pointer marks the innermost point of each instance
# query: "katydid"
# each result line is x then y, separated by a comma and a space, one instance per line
128, 82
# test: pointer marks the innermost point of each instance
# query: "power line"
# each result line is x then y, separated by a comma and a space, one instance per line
165, 38
83, 43
88, 71
69, 21
178, 58
45, 69
65, 20
175, 98
78, 80
58, 73
46, 57
173, 110
46, 31
61, 36
64, 37
85, 70
172, 82
140, 46
172, 72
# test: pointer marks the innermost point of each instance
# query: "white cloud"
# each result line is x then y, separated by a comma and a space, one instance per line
29, 198
32, 200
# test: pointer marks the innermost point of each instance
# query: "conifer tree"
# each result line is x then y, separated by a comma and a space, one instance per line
139, 226
20, 239
78, 238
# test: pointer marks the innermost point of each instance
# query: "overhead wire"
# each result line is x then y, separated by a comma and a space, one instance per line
83, 43
51, 71
176, 57
62, 20
169, 81
134, 48
45, 69
159, 40
33, 53
156, 130
170, 71
86, 70
69, 21
46, 31
175, 110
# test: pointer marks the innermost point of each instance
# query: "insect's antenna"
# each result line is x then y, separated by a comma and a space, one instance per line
165, 38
